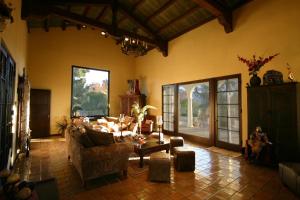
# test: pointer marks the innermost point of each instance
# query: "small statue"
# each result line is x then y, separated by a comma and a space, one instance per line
290, 73
257, 141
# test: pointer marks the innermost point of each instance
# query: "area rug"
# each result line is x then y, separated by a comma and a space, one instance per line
134, 168
224, 152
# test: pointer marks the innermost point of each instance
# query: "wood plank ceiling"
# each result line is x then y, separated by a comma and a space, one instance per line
153, 21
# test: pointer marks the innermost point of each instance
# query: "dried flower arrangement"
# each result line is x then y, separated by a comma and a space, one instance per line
254, 64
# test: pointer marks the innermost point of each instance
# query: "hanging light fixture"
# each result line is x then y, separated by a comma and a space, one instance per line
133, 46
5, 15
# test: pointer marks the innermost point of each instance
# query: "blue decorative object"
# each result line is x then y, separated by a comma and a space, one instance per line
272, 77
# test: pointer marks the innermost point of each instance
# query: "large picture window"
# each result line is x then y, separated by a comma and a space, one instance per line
90, 92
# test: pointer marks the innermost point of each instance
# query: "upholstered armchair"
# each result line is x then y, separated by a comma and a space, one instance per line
147, 126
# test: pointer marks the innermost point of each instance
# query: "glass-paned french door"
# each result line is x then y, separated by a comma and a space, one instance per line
193, 109
228, 111
168, 107
207, 111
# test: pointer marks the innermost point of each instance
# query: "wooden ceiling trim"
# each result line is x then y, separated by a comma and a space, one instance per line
117, 32
134, 7
223, 14
101, 14
86, 10
64, 25
185, 14
127, 12
46, 24
167, 5
70, 2
191, 27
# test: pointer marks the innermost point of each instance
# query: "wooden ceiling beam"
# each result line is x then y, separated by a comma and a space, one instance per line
46, 24
134, 7
176, 19
64, 25
86, 10
191, 28
223, 14
167, 5
101, 14
85, 20
141, 24
70, 2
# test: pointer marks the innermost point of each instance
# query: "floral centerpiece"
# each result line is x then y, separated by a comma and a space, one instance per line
254, 64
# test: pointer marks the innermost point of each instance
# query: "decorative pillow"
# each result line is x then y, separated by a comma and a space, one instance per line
133, 128
85, 140
115, 128
100, 138
110, 126
101, 121
124, 126
112, 119
128, 120
104, 129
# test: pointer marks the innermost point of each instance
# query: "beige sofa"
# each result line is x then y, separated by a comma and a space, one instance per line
96, 161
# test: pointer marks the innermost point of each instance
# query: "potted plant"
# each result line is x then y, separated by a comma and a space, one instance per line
5, 15
62, 126
140, 113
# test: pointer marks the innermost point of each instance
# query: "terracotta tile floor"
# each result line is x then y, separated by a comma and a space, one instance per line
216, 177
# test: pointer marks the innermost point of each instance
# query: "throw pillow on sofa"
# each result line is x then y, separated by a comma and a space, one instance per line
82, 138
85, 140
100, 138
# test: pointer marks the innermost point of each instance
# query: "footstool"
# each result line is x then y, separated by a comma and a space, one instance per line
160, 167
184, 159
289, 174
175, 141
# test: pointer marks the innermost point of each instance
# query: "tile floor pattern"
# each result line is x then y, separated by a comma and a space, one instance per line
216, 177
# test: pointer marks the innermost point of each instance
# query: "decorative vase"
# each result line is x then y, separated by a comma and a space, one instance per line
137, 87
255, 80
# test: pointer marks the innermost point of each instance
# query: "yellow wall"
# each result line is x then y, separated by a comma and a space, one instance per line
262, 27
52, 54
15, 38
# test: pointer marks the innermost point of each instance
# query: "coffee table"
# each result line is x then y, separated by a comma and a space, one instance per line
149, 147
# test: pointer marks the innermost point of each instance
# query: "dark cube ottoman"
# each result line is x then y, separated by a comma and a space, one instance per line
160, 167
184, 159
289, 174
175, 141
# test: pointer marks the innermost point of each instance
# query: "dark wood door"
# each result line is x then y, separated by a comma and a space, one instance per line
40, 113
284, 122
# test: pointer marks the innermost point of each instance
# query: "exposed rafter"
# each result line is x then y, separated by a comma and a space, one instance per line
46, 24
162, 45
134, 7
86, 10
101, 14
167, 5
71, 2
186, 13
223, 14
138, 22
192, 27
